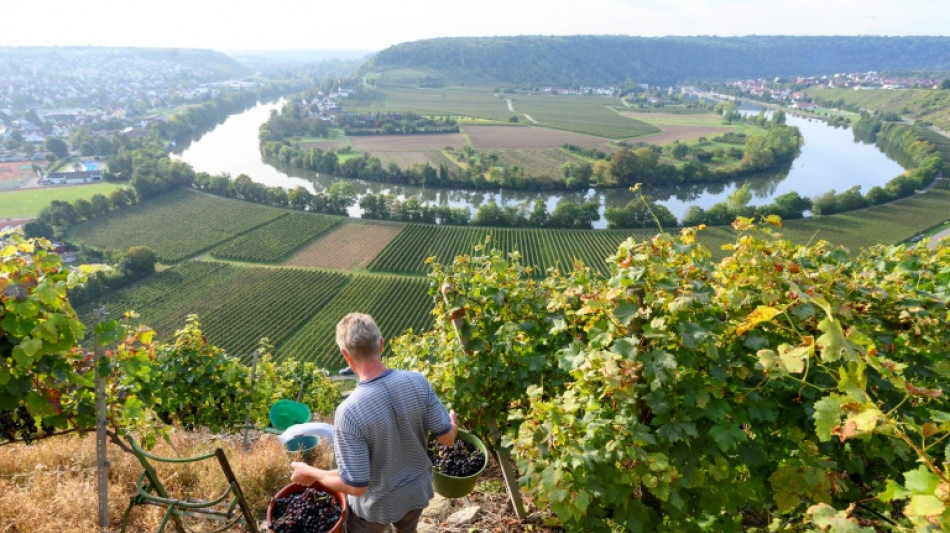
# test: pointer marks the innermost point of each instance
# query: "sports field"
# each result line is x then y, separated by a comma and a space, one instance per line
17, 173
27, 203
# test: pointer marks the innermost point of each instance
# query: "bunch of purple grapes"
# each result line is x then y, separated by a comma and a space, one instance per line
310, 511
461, 459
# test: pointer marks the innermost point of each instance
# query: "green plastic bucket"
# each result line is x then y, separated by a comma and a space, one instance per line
458, 487
286, 413
302, 448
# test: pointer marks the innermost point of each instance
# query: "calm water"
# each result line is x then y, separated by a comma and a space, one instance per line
829, 159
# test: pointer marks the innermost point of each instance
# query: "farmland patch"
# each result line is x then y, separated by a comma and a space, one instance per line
348, 246
527, 137
403, 143
536, 162
683, 133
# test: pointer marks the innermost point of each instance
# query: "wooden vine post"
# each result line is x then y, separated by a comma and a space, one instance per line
247, 418
501, 454
102, 456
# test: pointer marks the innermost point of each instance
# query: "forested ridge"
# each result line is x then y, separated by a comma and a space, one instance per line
588, 60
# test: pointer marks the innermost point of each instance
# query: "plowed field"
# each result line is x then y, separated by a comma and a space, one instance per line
348, 247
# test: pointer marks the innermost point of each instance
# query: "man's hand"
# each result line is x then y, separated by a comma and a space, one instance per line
304, 474
449, 438
307, 475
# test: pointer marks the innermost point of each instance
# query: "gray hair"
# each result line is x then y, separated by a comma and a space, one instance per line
358, 334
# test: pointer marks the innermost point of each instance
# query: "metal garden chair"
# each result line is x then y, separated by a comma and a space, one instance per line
230, 507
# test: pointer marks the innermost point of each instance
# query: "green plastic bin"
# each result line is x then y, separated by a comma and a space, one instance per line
459, 487
286, 413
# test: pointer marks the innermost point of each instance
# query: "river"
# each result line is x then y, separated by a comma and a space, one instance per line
829, 159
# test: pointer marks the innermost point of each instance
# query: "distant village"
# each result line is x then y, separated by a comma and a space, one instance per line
789, 89
49, 95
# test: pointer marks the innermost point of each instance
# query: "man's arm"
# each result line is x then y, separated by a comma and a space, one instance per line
306, 475
447, 439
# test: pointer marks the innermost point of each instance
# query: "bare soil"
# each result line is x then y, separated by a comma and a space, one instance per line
406, 143
348, 247
527, 137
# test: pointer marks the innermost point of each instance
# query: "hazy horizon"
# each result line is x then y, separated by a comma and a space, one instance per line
365, 26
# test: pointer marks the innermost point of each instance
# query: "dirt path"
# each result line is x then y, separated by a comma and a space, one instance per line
527, 116
935, 238
510, 106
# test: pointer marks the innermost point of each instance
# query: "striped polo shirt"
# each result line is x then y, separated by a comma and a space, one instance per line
380, 438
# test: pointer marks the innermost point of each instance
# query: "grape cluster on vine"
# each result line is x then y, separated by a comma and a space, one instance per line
18, 424
461, 459
310, 511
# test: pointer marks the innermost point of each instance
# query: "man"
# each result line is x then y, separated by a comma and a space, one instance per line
380, 437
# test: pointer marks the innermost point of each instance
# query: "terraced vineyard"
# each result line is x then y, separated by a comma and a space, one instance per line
396, 302
177, 225
274, 305
148, 296
276, 240
235, 305
541, 249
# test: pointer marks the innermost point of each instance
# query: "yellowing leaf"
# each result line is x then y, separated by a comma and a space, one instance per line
742, 223
775, 220
761, 314
924, 505
793, 359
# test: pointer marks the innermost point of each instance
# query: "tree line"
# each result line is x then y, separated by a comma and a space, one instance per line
575, 61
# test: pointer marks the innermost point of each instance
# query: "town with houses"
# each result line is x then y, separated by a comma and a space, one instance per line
50, 93
790, 89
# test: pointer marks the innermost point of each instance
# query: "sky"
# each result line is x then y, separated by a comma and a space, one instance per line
373, 25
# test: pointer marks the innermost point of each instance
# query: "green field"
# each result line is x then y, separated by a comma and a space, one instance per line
396, 302
475, 102
916, 104
277, 239
940, 141
27, 203
592, 115
177, 225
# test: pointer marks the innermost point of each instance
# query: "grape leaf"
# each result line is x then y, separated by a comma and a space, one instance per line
827, 413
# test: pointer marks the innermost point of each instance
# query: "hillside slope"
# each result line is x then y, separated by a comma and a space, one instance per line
590, 60
204, 65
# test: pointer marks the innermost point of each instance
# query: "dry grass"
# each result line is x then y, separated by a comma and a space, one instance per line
51, 486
